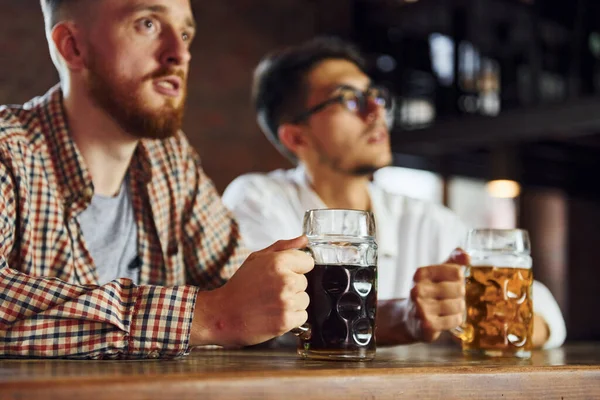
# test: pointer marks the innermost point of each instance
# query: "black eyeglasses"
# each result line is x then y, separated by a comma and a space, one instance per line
353, 100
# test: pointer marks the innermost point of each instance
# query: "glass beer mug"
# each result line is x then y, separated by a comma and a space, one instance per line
342, 286
499, 280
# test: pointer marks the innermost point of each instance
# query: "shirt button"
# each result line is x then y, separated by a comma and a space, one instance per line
154, 354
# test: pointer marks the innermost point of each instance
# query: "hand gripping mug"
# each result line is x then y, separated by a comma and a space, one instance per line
342, 286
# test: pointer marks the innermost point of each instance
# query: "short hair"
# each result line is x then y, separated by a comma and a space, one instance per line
279, 89
52, 10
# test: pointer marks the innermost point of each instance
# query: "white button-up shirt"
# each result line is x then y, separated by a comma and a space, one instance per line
410, 233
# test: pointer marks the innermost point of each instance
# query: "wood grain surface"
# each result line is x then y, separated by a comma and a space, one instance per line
405, 372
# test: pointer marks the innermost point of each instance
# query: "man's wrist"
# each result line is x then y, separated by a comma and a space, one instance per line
394, 322
206, 322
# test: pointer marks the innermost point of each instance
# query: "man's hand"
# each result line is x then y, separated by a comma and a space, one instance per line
436, 304
437, 299
265, 298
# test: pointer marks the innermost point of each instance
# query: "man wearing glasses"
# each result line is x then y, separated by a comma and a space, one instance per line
319, 108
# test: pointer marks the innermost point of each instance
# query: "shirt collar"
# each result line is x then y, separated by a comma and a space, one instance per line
141, 164
73, 177
308, 197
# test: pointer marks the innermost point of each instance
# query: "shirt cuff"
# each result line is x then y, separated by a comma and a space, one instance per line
161, 322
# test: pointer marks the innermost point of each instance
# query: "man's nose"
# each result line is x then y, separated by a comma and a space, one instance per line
373, 109
176, 50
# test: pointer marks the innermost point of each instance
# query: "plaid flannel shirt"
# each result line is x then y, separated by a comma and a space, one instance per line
50, 302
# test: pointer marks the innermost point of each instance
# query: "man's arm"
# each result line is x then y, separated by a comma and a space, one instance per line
264, 297
396, 325
549, 328
392, 323
437, 304
47, 317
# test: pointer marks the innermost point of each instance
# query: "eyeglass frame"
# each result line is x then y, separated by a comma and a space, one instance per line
360, 94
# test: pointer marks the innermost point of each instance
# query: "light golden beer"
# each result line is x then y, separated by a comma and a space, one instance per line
499, 310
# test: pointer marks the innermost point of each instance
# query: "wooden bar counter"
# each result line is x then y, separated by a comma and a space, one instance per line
405, 372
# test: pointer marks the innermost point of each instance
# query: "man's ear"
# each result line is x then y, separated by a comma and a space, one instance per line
68, 44
292, 137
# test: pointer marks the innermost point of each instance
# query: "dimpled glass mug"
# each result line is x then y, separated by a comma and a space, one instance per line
342, 286
499, 315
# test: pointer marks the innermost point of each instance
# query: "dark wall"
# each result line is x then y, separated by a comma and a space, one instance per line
544, 213
583, 317
232, 37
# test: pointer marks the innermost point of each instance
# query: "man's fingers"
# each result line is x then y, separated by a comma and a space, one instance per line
450, 307
295, 283
438, 291
300, 301
296, 261
301, 283
433, 325
296, 319
439, 273
446, 322
430, 309
297, 243
459, 257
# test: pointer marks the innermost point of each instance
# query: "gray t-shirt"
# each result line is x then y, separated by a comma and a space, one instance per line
110, 232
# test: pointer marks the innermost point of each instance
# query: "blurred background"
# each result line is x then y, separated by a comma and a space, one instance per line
498, 112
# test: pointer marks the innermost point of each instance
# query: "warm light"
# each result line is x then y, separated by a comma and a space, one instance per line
503, 189
415, 113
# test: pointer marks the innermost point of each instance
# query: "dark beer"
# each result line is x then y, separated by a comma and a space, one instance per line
499, 309
341, 314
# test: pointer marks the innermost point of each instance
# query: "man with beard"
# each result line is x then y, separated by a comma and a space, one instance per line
109, 228
318, 106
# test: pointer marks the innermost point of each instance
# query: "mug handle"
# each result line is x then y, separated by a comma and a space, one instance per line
464, 331
304, 331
